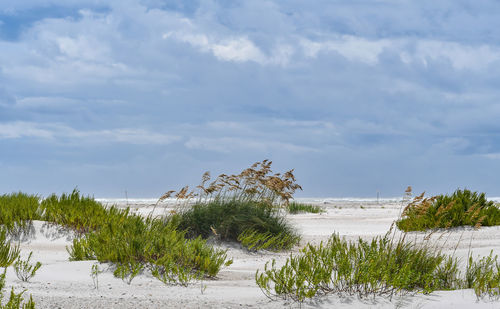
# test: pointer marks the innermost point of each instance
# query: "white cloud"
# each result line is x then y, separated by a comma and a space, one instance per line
492, 156
351, 47
459, 55
359, 49
20, 129
63, 133
231, 144
235, 49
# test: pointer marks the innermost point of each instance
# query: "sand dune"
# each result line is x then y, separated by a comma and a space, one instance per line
64, 284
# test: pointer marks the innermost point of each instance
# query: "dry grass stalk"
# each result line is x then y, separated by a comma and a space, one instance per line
256, 183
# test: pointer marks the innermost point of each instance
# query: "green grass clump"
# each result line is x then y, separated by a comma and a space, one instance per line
17, 211
254, 240
295, 208
362, 268
463, 207
228, 219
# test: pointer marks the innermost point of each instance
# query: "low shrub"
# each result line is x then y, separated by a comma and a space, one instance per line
153, 243
296, 208
362, 268
463, 207
24, 269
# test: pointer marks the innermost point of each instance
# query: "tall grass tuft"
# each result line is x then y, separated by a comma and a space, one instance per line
246, 207
256, 184
463, 207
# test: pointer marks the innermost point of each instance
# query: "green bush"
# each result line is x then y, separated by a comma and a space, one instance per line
365, 269
153, 243
296, 208
461, 208
24, 269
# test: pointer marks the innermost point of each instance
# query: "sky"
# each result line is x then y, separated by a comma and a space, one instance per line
143, 96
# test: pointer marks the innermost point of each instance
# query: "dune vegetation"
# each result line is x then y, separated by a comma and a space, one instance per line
130, 242
297, 208
462, 208
385, 266
248, 207
9, 254
251, 208
391, 265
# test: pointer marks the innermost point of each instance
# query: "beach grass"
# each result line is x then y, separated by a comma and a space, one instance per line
255, 226
246, 207
462, 208
296, 208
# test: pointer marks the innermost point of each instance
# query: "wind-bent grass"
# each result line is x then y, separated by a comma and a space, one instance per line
463, 207
296, 208
251, 202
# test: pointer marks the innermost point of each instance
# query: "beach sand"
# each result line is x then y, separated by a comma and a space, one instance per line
60, 283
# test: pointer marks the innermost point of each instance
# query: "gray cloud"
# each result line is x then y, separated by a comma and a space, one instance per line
356, 92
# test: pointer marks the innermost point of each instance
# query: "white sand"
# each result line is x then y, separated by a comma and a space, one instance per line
63, 284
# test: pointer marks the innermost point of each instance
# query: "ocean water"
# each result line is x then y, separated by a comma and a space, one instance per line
312, 200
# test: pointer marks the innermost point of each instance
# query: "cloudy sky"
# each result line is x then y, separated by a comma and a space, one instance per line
146, 95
